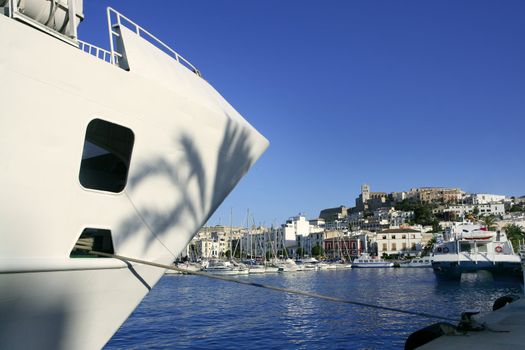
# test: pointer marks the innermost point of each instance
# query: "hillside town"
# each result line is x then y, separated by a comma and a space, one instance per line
389, 225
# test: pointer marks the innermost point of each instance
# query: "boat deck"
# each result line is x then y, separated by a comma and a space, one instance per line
504, 329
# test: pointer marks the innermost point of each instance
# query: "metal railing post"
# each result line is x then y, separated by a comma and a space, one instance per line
110, 30
13, 7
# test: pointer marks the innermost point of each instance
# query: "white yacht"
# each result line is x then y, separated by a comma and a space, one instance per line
472, 248
126, 150
270, 268
309, 264
185, 268
425, 261
365, 260
287, 265
220, 267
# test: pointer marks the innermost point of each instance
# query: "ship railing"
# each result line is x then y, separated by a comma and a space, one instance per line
521, 250
96, 51
116, 19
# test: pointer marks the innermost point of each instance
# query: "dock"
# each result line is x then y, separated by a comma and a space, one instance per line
504, 329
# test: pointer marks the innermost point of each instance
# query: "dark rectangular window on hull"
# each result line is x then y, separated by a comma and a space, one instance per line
93, 239
106, 156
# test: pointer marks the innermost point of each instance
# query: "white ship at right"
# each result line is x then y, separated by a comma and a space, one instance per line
469, 248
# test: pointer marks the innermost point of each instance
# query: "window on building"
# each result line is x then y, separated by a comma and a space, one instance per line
385, 247
394, 247
106, 156
384, 236
393, 236
412, 236
404, 246
413, 246
404, 236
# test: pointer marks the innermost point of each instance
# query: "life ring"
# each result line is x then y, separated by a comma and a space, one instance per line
445, 250
498, 249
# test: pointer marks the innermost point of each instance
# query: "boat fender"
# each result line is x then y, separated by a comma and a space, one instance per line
498, 249
439, 249
427, 334
504, 300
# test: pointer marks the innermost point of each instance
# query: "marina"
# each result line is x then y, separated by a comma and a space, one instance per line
230, 314
123, 164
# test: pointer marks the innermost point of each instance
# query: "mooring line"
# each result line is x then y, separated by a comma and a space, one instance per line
279, 289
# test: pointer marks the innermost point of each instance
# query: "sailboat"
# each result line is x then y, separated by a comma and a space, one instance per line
124, 150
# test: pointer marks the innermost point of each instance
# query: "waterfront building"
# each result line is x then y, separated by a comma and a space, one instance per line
401, 241
210, 244
343, 246
214, 242
297, 225
306, 235
276, 242
308, 242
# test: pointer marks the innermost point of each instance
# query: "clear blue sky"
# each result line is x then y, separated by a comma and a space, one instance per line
396, 94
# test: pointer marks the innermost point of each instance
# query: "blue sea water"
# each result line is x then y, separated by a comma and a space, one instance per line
194, 312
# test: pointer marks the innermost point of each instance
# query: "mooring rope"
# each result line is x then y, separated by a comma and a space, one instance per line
270, 287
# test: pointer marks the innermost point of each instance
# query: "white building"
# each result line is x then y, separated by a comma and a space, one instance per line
485, 198
394, 218
399, 241
483, 209
300, 233
210, 244
297, 225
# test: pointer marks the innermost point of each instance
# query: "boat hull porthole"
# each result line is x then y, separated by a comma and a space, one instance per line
93, 239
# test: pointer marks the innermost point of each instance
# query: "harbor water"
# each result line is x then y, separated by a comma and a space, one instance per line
194, 312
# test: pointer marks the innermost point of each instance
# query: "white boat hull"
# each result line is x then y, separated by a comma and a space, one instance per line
190, 149
372, 265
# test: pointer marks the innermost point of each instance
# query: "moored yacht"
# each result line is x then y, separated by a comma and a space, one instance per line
365, 260
425, 261
220, 267
126, 150
472, 248
287, 265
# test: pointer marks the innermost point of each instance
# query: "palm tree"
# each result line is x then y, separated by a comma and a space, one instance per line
515, 234
489, 221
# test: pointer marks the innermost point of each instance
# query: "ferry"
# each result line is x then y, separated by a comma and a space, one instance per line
125, 150
469, 248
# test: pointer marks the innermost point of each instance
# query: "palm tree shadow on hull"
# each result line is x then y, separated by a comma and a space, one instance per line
234, 158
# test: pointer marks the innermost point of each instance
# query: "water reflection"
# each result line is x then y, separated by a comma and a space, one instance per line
198, 313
